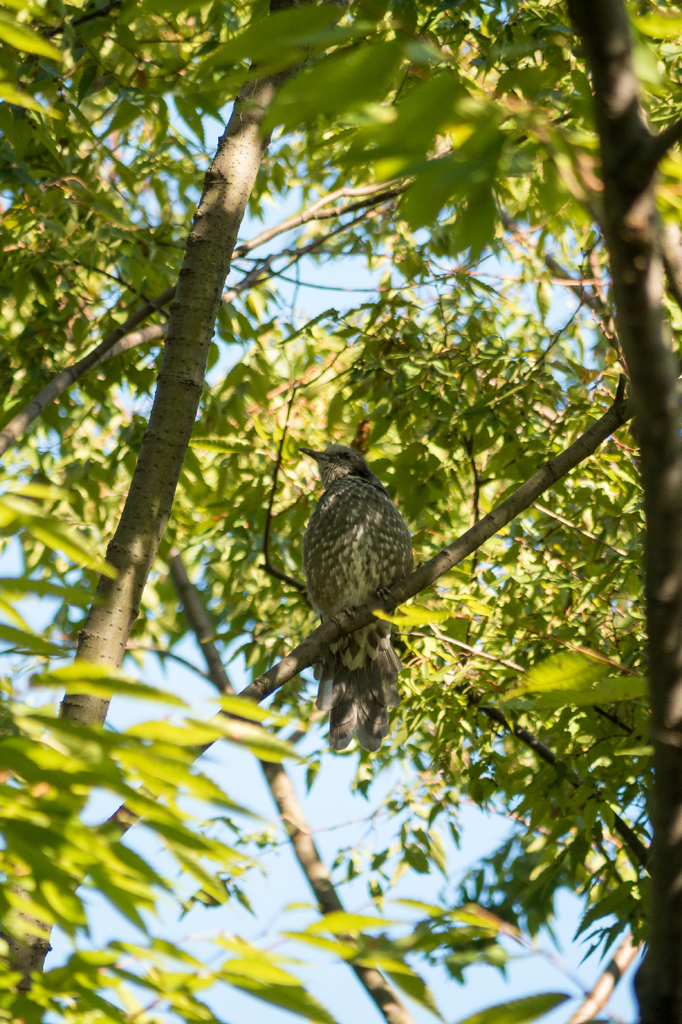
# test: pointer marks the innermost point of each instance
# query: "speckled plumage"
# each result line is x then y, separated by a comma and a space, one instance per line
356, 544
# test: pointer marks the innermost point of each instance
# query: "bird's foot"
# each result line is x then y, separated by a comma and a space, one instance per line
383, 595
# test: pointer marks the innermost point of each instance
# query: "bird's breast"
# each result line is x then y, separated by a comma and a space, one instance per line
356, 543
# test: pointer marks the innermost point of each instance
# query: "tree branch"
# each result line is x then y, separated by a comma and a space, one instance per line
317, 212
601, 993
545, 753
119, 341
70, 374
267, 564
285, 797
633, 238
310, 650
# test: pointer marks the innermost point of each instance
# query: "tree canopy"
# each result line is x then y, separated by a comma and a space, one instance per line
454, 150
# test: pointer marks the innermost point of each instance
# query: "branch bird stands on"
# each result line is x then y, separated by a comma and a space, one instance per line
356, 545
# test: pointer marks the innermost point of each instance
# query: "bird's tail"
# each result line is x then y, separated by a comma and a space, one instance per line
357, 684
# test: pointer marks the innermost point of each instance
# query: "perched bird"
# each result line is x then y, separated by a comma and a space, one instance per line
356, 545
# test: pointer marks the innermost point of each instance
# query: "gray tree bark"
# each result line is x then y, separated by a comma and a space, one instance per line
227, 187
633, 237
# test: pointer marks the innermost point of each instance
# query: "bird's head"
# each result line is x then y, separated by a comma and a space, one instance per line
338, 461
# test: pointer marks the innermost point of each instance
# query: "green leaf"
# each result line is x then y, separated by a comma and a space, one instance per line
343, 82
242, 707
341, 923
518, 1011
282, 38
30, 642
345, 950
416, 988
220, 444
290, 997
568, 671
658, 24
23, 38
413, 615
124, 116
605, 691
259, 741
101, 681
22, 99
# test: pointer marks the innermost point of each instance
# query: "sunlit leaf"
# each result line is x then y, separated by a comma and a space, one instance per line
518, 1011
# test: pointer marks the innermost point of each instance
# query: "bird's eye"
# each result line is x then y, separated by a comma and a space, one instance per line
345, 455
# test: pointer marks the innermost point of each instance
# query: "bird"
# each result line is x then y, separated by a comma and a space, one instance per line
355, 546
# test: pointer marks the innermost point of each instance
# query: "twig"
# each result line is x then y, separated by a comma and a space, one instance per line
317, 212
629, 837
163, 653
283, 792
587, 651
601, 993
585, 533
267, 564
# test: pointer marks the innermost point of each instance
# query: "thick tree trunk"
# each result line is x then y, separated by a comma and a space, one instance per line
633, 236
227, 187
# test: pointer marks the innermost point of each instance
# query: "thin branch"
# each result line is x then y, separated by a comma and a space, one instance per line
545, 753
99, 13
70, 374
143, 337
267, 564
281, 787
578, 529
601, 993
121, 340
585, 294
587, 651
317, 212
164, 653
311, 649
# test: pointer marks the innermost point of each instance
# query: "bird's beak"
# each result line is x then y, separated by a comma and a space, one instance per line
313, 454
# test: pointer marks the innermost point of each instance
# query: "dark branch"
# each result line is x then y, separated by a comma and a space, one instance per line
659, 146
284, 795
631, 840
267, 564
101, 12
310, 650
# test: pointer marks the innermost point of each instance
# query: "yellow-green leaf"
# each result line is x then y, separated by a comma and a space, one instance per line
341, 923
605, 691
658, 24
22, 38
23, 99
413, 615
566, 671
518, 1011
